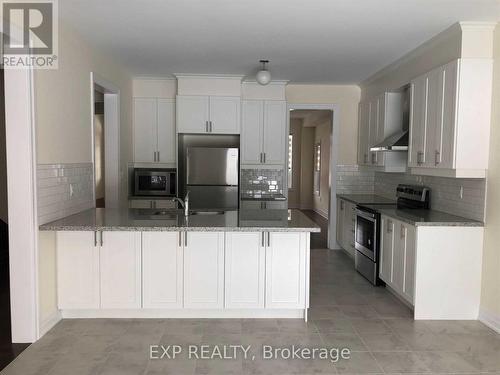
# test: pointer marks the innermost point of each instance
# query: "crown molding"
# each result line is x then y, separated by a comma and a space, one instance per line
154, 78
208, 76
275, 82
475, 25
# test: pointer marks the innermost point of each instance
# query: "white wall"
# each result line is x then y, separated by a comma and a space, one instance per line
294, 192
306, 167
490, 299
323, 131
347, 97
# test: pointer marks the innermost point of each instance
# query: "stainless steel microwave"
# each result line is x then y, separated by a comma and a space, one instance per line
155, 182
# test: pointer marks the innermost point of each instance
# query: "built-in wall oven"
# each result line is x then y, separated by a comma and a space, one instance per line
154, 182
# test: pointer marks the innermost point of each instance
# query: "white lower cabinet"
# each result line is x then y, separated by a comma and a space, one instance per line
397, 261
204, 270
120, 270
245, 270
346, 223
162, 270
77, 270
286, 270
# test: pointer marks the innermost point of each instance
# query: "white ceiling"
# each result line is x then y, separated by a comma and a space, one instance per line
336, 41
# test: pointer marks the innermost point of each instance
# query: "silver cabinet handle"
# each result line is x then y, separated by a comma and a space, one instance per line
264, 158
158, 156
101, 234
95, 238
210, 122
389, 226
366, 159
206, 126
402, 231
437, 157
180, 239
268, 239
262, 238
154, 156
185, 239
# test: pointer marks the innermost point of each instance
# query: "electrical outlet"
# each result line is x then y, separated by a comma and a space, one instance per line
461, 192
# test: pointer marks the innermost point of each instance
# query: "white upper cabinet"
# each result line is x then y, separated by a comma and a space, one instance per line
263, 136
380, 118
450, 120
208, 114
154, 130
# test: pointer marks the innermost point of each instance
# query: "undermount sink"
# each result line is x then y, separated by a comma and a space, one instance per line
206, 213
165, 213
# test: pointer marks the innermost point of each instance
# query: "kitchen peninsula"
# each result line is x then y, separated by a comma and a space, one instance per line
140, 263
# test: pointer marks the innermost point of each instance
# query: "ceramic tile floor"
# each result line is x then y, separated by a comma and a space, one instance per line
346, 312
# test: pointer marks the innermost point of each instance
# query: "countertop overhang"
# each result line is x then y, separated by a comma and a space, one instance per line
110, 219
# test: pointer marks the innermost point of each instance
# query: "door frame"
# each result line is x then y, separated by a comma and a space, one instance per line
112, 194
334, 150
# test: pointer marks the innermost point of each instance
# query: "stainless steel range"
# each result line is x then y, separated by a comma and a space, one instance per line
367, 227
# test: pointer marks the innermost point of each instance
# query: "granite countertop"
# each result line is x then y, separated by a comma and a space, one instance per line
109, 219
366, 199
419, 217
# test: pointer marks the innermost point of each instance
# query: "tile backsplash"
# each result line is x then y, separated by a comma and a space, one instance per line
63, 189
352, 180
262, 180
457, 196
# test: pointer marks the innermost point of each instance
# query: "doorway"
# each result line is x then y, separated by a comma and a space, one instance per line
105, 116
312, 165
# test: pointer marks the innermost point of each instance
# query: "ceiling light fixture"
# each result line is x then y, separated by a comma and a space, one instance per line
263, 76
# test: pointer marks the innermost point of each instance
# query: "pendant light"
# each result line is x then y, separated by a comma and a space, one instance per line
263, 76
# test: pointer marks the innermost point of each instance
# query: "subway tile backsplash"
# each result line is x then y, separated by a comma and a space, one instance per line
63, 190
457, 196
353, 180
262, 180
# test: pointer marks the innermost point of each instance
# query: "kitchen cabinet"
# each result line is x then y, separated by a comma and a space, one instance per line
204, 270
208, 114
120, 270
379, 118
77, 270
245, 270
154, 130
450, 120
286, 270
346, 221
397, 260
162, 269
263, 133
152, 203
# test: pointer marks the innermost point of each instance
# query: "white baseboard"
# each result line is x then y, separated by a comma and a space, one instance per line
489, 319
184, 313
48, 323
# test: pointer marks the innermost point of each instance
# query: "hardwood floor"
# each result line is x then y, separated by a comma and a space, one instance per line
318, 240
8, 351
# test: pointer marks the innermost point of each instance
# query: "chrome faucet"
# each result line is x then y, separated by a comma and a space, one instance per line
184, 203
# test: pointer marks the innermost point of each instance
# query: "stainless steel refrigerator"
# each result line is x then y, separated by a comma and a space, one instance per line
212, 177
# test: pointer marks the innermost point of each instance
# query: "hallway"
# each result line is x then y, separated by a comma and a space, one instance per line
318, 240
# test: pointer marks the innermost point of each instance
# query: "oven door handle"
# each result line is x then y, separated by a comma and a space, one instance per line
365, 215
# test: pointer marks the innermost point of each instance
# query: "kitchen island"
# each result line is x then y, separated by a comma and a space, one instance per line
139, 263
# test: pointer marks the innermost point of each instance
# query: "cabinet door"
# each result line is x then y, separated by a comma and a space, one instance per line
340, 222
120, 259
166, 131
204, 270
244, 270
447, 153
398, 257
165, 203
381, 112
373, 131
192, 114
349, 221
162, 268
225, 115
387, 248
275, 138
145, 118
286, 270
140, 203
434, 118
251, 131
77, 270
418, 118
364, 132
409, 263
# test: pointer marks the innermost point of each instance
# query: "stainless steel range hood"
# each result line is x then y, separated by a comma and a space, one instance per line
395, 142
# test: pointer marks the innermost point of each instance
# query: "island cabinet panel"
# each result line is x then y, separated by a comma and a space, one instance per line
286, 270
77, 270
120, 263
204, 270
245, 270
162, 270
